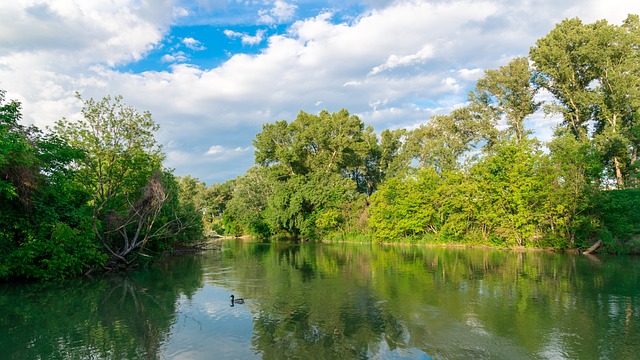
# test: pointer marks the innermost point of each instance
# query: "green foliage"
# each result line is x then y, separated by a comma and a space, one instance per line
592, 71
445, 140
508, 92
65, 252
44, 215
121, 151
405, 208
245, 210
313, 167
619, 216
136, 206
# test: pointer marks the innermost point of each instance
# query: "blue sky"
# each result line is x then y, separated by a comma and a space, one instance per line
211, 72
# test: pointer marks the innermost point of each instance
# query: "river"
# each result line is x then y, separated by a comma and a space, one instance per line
335, 301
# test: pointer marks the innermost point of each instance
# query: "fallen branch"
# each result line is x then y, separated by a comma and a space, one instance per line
593, 247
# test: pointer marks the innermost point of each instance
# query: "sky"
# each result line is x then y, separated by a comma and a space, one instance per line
212, 72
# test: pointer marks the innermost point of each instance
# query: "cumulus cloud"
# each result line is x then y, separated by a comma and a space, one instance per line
193, 44
179, 56
85, 31
394, 65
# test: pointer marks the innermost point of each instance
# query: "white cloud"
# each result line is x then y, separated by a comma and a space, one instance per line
451, 83
394, 61
215, 149
470, 74
179, 12
246, 38
280, 13
71, 34
193, 44
174, 57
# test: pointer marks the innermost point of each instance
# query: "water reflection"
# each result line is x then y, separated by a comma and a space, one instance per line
336, 301
117, 317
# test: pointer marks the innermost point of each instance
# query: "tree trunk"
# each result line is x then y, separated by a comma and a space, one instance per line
619, 178
593, 247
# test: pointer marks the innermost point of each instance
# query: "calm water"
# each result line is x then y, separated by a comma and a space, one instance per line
315, 301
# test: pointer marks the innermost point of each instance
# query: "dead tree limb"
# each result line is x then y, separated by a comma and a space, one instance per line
593, 247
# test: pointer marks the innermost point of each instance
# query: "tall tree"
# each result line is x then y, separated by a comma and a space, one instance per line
509, 93
443, 142
592, 70
562, 67
617, 98
315, 162
122, 172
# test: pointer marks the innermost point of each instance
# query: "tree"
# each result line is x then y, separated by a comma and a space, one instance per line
122, 172
45, 230
244, 212
592, 71
513, 184
577, 168
443, 142
509, 92
617, 99
315, 163
404, 208
562, 67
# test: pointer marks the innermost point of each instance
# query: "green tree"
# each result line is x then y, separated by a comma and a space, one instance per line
122, 172
45, 230
592, 71
244, 212
508, 92
513, 183
316, 163
561, 64
404, 208
577, 168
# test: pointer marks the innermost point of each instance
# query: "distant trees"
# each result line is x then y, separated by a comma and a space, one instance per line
474, 175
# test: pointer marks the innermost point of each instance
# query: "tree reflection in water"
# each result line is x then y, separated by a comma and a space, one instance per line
335, 301
114, 317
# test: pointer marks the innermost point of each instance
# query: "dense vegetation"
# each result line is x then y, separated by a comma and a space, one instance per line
93, 194
474, 176
87, 195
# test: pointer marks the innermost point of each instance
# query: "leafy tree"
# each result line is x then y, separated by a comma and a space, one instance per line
577, 168
405, 208
509, 92
394, 156
443, 141
592, 71
244, 212
122, 172
45, 228
512, 185
562, 68
315, 163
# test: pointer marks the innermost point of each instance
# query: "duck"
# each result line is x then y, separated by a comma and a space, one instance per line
236, 301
